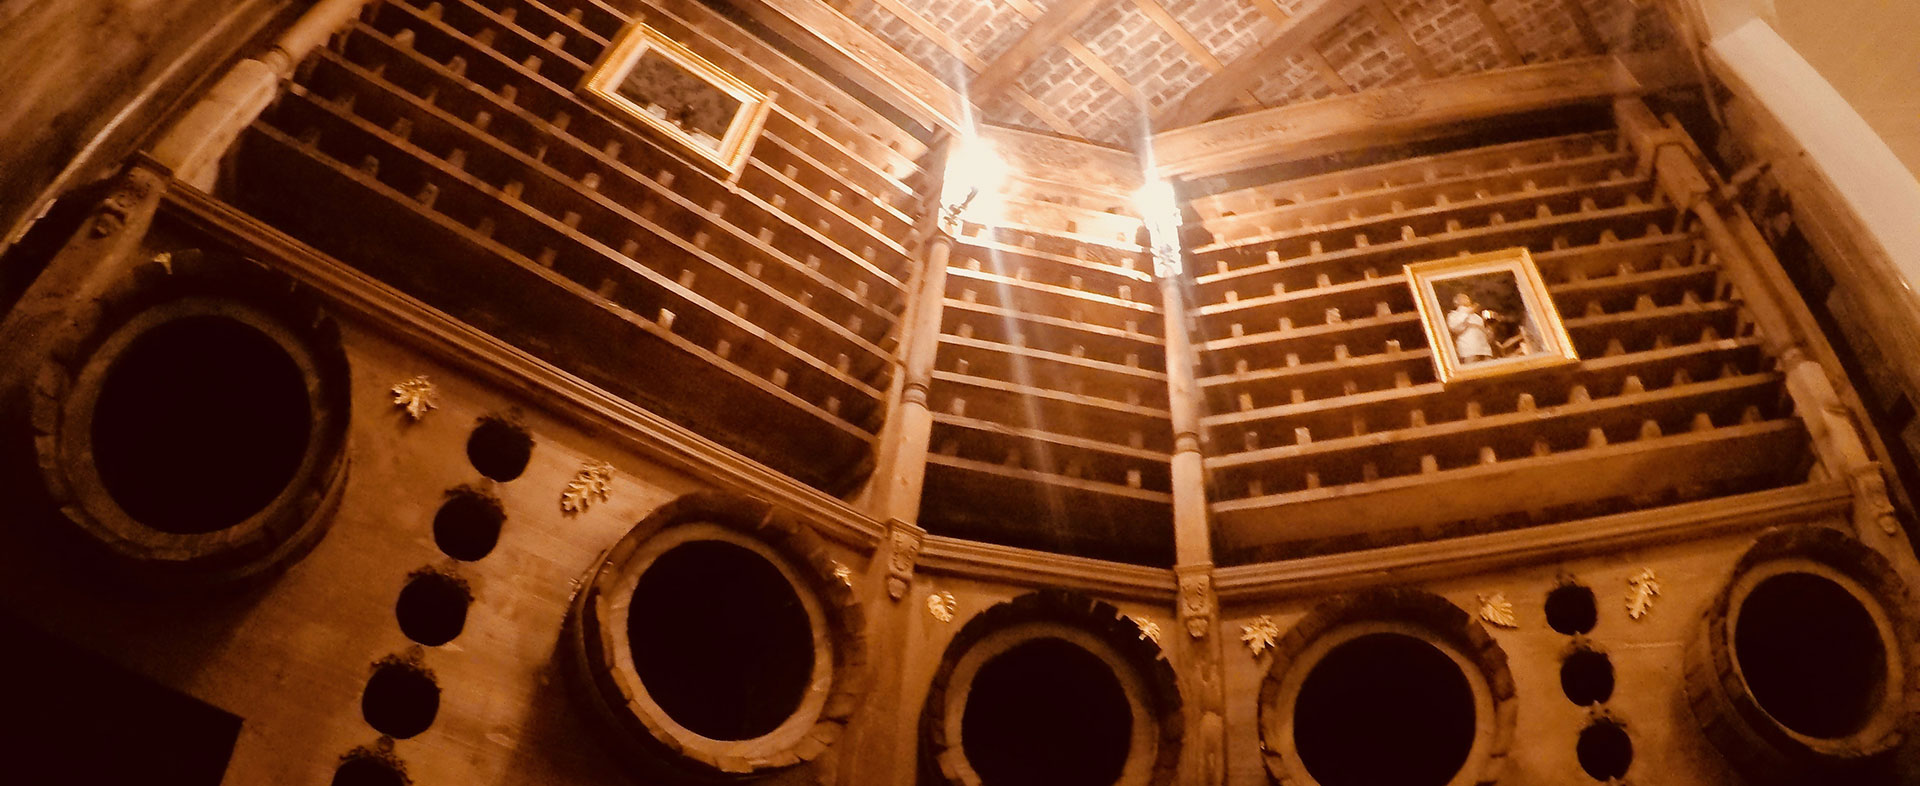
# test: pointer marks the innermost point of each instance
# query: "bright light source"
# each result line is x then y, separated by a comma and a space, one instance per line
1159, 207
975, 172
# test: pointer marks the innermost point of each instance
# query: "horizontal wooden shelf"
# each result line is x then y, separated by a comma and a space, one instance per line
1773, 448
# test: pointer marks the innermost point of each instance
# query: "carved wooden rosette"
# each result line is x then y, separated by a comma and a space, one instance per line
1750, 733
1098, 628
1404, 611
611, 689
167, 290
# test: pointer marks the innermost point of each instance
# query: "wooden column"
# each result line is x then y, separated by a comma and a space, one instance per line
880, 745
1205, 754
1831, 410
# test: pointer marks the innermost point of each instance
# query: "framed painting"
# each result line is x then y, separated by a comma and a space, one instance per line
1488, 314
666, 87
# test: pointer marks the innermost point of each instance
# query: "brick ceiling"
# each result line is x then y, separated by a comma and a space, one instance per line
1106, 70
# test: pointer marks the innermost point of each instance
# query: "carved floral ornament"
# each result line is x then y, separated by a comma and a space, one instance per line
593, 483
1196, 603
1260, 635
1641, 590
1496, 610
942, 605
416, 396
901, 558
843, 573
1149, 630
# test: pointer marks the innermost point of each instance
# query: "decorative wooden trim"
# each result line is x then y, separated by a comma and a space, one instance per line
356, 295
1494, 551
1025, 567
1385, 116
888, 72
1246, 70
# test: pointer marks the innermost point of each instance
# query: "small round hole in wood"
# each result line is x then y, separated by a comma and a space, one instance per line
1587, 677
432, 608
400, 701
1571, 609
1604, 750
467, 526
499, 449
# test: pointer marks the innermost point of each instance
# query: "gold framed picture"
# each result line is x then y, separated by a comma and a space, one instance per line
1488, 314
666, 87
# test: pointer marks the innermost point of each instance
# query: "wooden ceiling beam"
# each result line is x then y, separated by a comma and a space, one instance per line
1047, 32
1328, 73
1584, 23
1246, 70
1160, 16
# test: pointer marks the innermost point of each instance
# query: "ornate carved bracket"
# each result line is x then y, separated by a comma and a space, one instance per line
903, 551
1197, 603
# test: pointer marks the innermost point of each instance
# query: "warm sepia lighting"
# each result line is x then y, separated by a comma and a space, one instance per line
975, 173
1160, 209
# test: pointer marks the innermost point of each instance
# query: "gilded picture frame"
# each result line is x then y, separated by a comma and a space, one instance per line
1488, 314
666, 87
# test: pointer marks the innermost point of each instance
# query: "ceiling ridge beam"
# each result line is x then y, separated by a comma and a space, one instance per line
1245, 71
1057, 24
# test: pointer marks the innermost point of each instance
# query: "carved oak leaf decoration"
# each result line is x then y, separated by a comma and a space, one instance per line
1149, 630
1640, 593
593, 483
843, 573
1497, 610
942, 605
1260, 634
416, 396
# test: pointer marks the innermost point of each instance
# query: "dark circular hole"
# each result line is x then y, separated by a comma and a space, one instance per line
432, 608
1384, 708
201, 422
468, 525
499, 449
400, 700
1587, 677
720, 640
1570, 609
1046, 713
1811, 654
1604, 750
368, 771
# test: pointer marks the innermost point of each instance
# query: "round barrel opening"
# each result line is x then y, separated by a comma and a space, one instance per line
1571, 610
1046, 713
1384, 708
432, 608
720, 640
400, 700
1587, 677
499, 449
201, 422
1604, 751
1811, 654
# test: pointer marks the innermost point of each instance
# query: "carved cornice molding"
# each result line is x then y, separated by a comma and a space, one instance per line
1830, 500
1386, 116
1024, 567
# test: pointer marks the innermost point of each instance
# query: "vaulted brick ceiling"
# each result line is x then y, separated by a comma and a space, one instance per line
1106, 70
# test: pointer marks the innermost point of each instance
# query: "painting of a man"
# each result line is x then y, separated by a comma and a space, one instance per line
1469, 325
